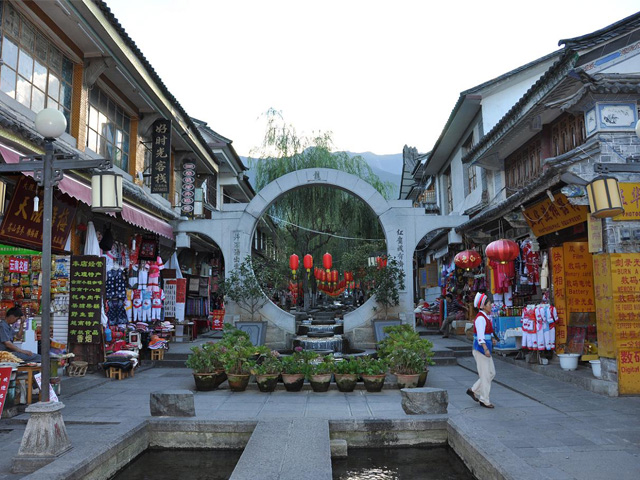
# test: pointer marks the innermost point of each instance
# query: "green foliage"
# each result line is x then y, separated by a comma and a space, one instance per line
205, 358
250, 285
389, 281
236, 360
347, 367
305, 356
325, 366
292, 365
233, 336
405, 350
372, 366
268, 363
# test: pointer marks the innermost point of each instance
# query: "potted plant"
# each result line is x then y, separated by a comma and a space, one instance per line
407, 354
206, 363
294, 371
267, 369
346, 373
388, 281
237, 365
374, 372
320, 374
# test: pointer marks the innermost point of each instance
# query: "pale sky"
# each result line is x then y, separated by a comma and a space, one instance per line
377, 74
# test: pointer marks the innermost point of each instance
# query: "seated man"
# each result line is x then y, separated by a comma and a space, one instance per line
6, 336
455, 311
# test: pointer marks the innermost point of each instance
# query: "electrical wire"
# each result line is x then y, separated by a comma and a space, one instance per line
325, 233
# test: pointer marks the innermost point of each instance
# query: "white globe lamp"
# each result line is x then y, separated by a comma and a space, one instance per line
50, 123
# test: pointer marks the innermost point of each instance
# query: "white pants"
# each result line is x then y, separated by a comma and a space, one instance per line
486, 372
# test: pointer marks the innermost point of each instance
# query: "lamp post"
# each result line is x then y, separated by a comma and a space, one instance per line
48, 170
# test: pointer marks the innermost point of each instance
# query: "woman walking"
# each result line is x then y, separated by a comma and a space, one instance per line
482, 346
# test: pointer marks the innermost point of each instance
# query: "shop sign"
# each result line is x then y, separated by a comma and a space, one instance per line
604, 306
170, 299
594, 230
85, 298
187, 198
161, 156
23, 226
18, 265
547, 217
578, 277
629, 372
11, 250
625, 283
5, 376
630, 195
559, 297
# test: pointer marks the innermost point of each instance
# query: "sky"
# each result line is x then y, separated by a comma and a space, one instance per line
376, 74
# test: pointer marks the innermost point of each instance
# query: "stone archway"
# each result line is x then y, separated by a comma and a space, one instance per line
404, 226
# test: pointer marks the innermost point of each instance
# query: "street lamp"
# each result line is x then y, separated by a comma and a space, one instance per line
48, 170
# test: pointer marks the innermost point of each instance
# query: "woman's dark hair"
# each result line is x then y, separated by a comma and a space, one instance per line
15, 312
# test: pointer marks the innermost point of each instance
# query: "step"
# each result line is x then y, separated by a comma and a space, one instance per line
445, 361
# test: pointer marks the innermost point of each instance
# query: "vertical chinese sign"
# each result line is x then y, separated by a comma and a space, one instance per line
625, 286
188, 192
161, 156
578, 277
5, 376
85, 299
559, 294
604, 306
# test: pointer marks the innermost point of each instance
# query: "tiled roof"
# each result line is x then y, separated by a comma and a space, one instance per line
621, 27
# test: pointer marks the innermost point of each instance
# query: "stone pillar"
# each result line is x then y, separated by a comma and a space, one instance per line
44, 439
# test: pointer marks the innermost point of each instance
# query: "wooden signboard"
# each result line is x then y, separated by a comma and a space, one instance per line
559, 294
604, 306
578, 271
546, 217
85, 298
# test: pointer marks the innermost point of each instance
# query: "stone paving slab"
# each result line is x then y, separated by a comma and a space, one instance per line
541, 426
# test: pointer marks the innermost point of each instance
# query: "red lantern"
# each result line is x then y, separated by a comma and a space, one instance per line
327, 261
334, 277
502, 251
382, 262
293, 264
467, 259
323, 276
308, 262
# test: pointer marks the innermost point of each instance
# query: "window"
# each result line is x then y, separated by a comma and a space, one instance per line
33, 71
472, 181
108, 128
449, 189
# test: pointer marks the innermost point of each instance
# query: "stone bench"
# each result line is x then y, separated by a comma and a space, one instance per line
425, 400
172, 403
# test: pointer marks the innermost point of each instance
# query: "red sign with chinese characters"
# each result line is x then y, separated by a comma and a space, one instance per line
5, 376
18, 265
22, 225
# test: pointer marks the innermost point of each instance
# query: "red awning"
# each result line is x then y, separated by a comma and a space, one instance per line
142, 219
80, 191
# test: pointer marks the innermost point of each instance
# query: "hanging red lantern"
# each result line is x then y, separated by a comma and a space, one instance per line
323, 276
502, 251
382, 262
467, 259
307, 261
327, 261
334, 277
293, 264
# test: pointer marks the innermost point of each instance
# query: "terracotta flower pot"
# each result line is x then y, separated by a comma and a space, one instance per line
238, 383
407, 381
205, 382
267, 383
422, 381
293, 382
373, 383
346, 382
320, 382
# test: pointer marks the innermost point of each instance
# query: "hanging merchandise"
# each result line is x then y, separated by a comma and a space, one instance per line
544, 272
107, 239
148, 248
538, 327
531, 263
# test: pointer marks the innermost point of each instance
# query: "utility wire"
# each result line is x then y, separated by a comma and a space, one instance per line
325, 233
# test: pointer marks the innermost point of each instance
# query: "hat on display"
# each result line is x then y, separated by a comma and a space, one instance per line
480, 300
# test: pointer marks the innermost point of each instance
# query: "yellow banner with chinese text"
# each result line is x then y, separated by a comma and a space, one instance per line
547, 217
630, 195
559, 298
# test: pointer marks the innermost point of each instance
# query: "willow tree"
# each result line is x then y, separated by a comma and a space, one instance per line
316, 218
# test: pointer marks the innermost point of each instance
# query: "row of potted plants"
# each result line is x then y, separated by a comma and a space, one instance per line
234, 358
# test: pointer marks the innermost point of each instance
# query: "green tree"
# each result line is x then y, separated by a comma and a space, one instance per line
251, 285
389, 280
